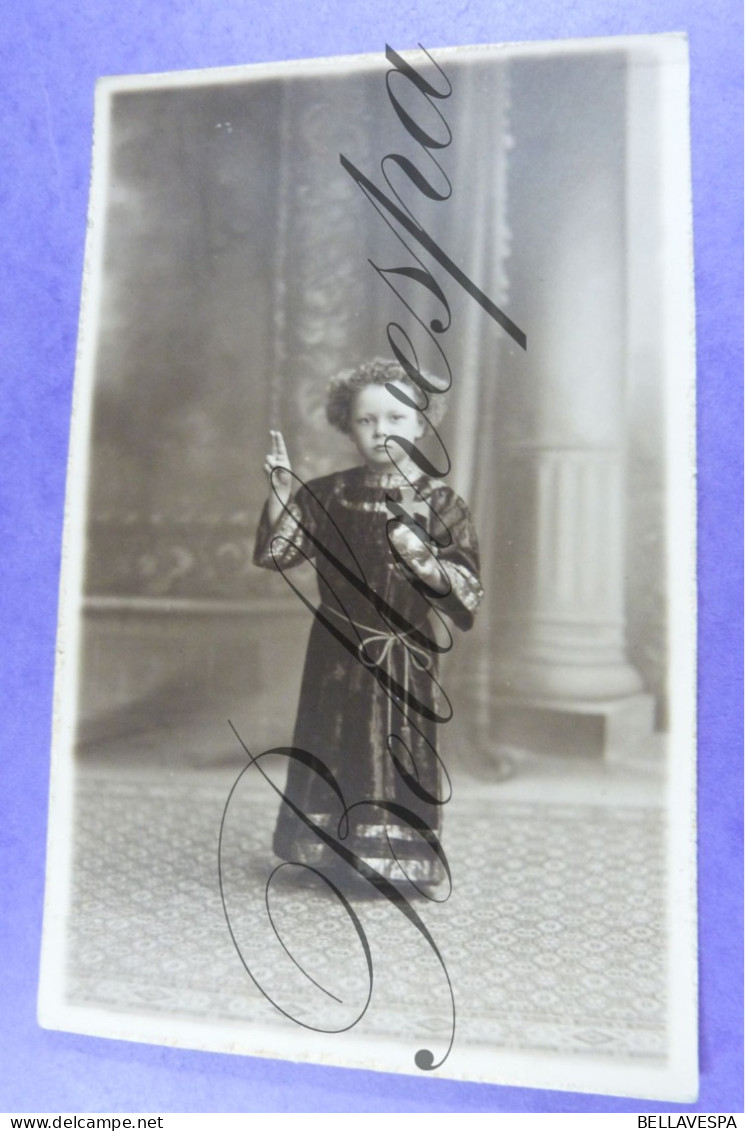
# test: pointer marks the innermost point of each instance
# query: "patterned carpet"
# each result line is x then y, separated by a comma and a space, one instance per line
554, 935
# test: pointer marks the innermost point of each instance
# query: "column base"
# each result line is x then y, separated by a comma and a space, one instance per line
615, 730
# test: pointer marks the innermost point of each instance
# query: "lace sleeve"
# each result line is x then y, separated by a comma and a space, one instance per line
285, 544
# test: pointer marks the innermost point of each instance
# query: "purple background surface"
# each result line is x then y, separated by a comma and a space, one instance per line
50, 56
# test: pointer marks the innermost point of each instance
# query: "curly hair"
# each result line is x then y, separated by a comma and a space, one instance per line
343, 389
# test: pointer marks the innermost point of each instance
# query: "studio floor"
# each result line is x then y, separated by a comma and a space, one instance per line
553, 937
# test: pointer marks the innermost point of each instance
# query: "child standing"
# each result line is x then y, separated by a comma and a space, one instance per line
392, 549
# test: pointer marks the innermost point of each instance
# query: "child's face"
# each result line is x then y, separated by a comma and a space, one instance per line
377, 414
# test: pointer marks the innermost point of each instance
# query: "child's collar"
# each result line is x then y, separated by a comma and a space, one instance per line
392, 478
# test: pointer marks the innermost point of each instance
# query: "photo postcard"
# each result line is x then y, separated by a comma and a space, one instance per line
374, 726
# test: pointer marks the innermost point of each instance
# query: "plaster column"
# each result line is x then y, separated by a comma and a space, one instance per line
562, 680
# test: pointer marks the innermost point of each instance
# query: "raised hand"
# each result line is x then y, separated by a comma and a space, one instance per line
277, 469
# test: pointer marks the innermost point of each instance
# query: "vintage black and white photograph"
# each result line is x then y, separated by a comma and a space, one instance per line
374, 735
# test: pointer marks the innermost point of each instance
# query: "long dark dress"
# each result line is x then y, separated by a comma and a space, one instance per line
370, 703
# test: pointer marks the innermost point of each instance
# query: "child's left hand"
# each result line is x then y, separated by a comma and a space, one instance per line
413, 550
